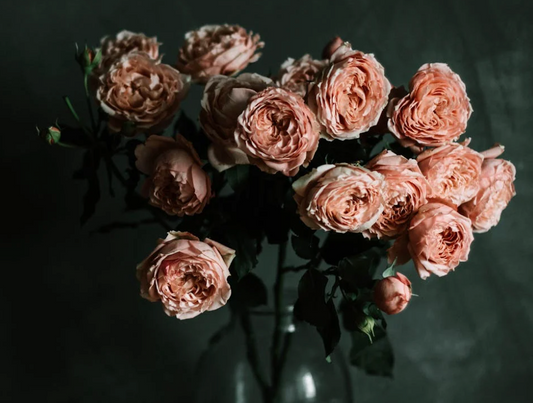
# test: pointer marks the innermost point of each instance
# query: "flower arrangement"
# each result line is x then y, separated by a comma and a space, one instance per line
326, 157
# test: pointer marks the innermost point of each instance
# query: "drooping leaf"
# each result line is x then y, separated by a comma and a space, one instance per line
305, 247
248, 292
376, 357
357, 271
331, 333
338, 246
237, 176
245, 247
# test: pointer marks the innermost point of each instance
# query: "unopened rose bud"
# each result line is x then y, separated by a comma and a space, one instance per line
52, 135
392, 294
331, 47
88, 59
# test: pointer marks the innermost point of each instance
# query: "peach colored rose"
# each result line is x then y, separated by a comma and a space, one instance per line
295, 75
435, 111
224, 100
187, 275
218, 49
405, 193
126, 42
277, 131
496, 189
349, 95
331, 47
176, 183
452, 171
392, 294
438, 239
140, 95
340, 198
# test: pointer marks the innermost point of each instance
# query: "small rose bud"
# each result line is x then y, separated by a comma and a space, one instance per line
392, 294
331, 47
88, 59
52, 135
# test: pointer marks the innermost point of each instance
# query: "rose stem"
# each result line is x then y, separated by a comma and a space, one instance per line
253, 358
278, 304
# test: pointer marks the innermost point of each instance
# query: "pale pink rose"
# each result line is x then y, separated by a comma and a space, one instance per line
392, 294
405, 193
176, 183
331, 47
277, 131
435, 111
225, 98
349, 95
340, 198
218, 49
295, 75
140, 95
496, 189
123, 43
438, 239
187, 275
452, 171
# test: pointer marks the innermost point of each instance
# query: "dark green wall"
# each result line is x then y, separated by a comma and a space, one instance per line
74, 327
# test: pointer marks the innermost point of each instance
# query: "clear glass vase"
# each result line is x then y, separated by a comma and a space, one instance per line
237, 366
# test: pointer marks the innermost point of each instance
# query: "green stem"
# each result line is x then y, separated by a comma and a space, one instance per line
253, 357
278, 306
77, 117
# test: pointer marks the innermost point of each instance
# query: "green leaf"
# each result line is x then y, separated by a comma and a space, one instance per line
237, 176
331, 332
305, 247
245, 248
338, 246
376, 357
357, 271
248, 292
389, 272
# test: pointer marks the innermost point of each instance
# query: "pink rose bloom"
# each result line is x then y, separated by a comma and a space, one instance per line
392, 294
295, 75
225, 98
438, 239
452, 171
349, 95
176, 183
340, 198
331, 47
187, 275
496, 189
217, 49
405, 193
435, 111
123, 43
277, 131
140, 95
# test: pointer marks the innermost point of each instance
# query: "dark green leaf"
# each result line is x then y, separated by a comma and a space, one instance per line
331, 332
376, 357
248, 292
339, 246
305, 247
237, 176
311, 304
357, 271
245, 247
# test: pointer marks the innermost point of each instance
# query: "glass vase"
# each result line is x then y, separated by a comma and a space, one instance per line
238, 365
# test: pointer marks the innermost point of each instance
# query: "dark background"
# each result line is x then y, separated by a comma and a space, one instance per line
73, 324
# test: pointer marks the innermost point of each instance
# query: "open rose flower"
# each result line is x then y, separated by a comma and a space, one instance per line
187, 275
123, 43
340, 198
277, 131
496, 188
452, 171
217, 49
392, 294
224, 100
349, 95
176, 183
405, 193
140, 95
435, 111
295, 75
438, 239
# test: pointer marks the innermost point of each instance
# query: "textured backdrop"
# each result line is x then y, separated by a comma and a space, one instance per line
74, 326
